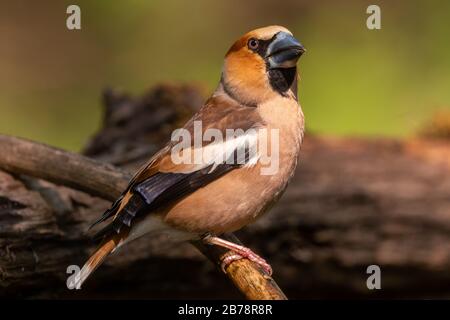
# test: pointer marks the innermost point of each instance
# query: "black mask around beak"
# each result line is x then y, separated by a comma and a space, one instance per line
284, 51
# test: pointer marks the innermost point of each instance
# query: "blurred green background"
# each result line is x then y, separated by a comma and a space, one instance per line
355, 81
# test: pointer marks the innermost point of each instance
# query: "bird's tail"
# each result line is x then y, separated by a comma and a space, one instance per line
95, 260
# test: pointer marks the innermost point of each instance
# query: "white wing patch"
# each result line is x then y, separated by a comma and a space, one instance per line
238, 149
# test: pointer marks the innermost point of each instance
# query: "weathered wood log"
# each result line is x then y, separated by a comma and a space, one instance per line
352, 203
64, 168
39, 161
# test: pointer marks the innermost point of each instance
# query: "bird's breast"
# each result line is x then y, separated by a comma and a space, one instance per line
239, 197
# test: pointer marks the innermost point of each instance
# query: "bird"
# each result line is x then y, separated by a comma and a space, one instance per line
191, 198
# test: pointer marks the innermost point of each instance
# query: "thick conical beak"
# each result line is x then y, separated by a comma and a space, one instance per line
284, 51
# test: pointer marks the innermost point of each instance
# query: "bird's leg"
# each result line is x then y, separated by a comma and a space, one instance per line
240, 252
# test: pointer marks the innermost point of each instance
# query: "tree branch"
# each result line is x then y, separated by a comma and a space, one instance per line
20, 156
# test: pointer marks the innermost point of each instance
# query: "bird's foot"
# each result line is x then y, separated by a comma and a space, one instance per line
248, 254
240, 252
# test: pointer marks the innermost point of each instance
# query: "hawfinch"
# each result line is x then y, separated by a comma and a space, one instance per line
229, 163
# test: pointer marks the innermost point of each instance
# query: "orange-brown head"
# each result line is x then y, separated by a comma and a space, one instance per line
262, 64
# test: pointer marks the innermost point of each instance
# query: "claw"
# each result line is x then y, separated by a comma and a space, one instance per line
261, 262
239, 251
228, 260
250, 255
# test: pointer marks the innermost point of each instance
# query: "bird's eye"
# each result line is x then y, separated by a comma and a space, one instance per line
253, 44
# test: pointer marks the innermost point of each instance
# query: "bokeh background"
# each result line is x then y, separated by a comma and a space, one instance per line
353, 202
355, 81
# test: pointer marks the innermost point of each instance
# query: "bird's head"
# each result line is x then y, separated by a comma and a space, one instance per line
261, 65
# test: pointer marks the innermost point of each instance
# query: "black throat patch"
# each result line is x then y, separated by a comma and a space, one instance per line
281, 79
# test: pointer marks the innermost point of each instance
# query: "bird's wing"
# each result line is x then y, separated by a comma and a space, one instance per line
162, 181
